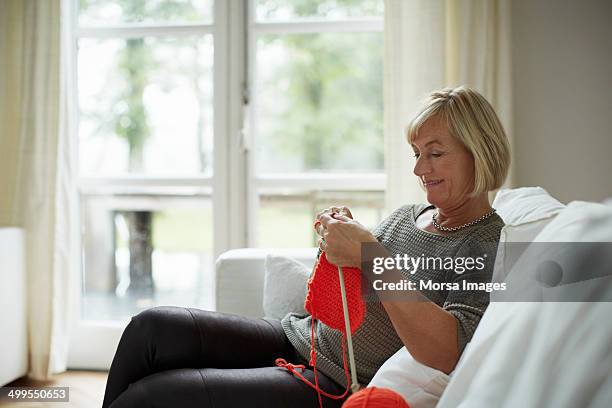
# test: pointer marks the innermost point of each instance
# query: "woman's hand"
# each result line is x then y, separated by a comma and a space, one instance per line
342, 239
342, 210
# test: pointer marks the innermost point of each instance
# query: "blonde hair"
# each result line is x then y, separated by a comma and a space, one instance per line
471, 119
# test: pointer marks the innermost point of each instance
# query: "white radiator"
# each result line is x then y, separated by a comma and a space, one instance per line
13, 326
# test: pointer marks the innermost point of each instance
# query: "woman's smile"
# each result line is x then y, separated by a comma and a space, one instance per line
432, 183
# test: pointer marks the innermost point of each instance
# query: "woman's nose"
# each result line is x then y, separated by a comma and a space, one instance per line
421, 167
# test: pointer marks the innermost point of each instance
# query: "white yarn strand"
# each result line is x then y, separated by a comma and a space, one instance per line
349, 338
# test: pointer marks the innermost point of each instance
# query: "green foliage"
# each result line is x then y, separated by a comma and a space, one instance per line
183, 230
334, 84
334, 92
135, 63
335, 99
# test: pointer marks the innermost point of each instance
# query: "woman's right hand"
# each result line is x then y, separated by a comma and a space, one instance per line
341, 210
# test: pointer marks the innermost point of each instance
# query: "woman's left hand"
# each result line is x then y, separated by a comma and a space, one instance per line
343, 238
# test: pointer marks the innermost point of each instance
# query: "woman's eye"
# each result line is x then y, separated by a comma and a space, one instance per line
435, 155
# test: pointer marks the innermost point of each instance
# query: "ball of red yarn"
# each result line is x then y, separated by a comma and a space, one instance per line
374, 397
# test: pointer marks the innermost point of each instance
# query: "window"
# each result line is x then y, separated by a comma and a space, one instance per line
146, 148
207, 125
316, 82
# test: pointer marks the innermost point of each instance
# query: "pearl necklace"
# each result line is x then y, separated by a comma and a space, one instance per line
469, 224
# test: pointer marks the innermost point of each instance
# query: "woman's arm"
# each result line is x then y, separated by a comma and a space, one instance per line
428, 331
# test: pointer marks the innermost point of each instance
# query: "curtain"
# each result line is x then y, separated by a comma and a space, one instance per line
36, 169
431, 44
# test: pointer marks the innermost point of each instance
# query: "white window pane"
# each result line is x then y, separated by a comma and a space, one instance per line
286, 220
106, 12
146, 106
145, 251
283, 10
319, 103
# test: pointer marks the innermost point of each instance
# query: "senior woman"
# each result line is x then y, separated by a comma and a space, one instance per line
188, 357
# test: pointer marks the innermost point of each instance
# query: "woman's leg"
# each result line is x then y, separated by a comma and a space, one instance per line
265, 387
167, 338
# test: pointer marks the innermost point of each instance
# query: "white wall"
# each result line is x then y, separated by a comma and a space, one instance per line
562, 70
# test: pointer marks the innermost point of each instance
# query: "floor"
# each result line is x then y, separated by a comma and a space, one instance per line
86, 390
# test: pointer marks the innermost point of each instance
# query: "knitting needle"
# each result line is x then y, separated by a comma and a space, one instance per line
349, 339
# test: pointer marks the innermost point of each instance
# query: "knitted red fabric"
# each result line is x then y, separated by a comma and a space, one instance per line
323, 300
324, 303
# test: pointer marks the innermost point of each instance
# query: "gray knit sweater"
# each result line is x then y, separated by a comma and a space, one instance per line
376, 340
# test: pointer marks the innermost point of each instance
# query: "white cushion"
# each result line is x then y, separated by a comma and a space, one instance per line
542, 354
239, 278
584, 222
420, 385
285, 286
525, 211
580, 222
526, 204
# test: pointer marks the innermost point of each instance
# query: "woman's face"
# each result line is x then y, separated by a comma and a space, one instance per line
443, 164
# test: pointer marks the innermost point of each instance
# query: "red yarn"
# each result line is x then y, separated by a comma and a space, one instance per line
374, 397
324, 303
323, 300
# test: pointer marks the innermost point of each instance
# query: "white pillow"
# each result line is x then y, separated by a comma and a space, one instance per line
285, 286
420, 385
525, 211
584, 222
581, 222
525, 204
542, 354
